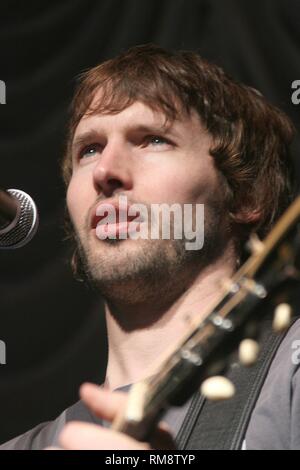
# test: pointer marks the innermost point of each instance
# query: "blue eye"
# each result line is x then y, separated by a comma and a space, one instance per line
157, 140
89, 151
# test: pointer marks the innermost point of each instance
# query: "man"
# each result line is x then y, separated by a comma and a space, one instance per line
155, 127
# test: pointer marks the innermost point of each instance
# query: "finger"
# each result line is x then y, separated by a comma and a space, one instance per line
53, 448
85, 436
107, 405
162, 439
103, 403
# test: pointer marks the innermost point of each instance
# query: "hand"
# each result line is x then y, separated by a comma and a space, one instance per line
106, 405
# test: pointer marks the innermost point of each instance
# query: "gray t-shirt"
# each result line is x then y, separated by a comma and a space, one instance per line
47, 434
275, 421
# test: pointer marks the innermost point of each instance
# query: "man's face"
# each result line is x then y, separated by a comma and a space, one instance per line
133, 154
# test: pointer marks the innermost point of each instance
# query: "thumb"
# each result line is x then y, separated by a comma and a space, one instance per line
102, 402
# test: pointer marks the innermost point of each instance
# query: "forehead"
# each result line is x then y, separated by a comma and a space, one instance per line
139, 115
135, 112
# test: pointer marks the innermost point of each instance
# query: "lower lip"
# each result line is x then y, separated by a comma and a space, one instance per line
115, 230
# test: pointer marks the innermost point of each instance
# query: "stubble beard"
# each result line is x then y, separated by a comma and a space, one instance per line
133, 273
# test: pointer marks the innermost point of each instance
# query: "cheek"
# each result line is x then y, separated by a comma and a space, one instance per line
200, 182
182, 185
78, 201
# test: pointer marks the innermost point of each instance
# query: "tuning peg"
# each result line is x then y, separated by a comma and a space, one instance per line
254, 244
217, 388
248, 352
229, 286
282, 317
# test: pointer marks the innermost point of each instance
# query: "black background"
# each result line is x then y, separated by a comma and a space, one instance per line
53, 327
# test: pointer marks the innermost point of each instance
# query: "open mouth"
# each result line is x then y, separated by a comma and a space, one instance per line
111, 221
108, 219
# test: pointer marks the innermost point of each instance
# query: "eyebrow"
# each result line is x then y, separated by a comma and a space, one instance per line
83, 138
94, 134
165, 129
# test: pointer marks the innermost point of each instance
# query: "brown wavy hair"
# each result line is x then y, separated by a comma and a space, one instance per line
251, 137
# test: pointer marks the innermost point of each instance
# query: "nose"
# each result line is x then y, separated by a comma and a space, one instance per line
113, 171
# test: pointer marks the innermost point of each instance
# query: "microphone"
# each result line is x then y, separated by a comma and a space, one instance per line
18, 218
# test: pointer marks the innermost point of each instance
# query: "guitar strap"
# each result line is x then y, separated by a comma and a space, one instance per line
222, 425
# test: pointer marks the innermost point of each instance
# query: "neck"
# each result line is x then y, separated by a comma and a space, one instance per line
131, 353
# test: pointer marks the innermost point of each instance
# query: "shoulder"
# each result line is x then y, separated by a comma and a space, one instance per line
275, 420
47, 434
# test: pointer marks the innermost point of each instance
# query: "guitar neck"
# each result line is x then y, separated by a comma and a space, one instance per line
202, 348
